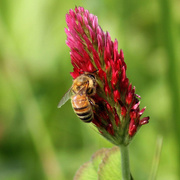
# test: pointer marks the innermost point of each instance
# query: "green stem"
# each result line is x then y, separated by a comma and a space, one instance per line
125, 162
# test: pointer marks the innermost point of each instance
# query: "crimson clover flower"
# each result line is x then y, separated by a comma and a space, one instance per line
117, 115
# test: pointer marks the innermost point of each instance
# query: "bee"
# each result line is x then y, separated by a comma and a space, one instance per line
83, 87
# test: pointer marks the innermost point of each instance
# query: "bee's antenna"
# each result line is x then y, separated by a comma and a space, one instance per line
95, 71
90, 72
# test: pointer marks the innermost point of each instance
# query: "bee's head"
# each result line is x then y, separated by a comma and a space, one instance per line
91, 90
86, 83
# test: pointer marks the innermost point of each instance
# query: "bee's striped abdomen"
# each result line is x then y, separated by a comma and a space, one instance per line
82, 108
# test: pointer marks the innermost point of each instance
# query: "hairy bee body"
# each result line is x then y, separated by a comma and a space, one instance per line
82, 107
83, 87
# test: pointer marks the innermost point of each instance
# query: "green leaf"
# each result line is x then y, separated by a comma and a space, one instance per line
105, 164
98, 156
110, 168
86, 172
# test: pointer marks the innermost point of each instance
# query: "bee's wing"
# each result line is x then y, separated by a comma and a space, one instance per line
82, 90
65, 98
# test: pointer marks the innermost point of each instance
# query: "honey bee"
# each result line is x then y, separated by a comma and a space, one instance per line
82, 88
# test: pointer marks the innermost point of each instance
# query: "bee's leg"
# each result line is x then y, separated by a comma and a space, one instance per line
92, 102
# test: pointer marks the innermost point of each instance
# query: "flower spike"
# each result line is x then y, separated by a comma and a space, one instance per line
117, 115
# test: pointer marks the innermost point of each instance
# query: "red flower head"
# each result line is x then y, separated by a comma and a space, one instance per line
117, 115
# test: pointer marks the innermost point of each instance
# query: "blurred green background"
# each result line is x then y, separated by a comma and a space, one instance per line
39, 141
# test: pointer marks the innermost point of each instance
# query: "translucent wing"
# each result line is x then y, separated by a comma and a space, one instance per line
82, 90
65, 98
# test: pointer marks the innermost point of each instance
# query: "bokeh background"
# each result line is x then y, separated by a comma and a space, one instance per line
39, 141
